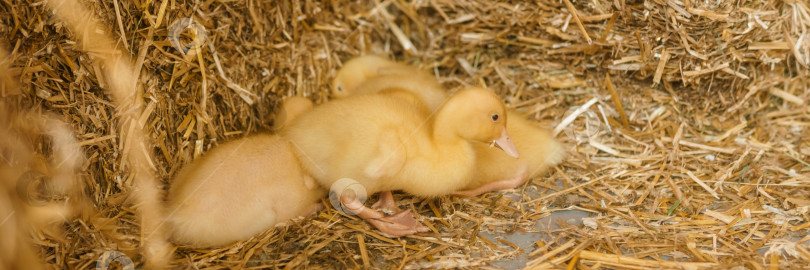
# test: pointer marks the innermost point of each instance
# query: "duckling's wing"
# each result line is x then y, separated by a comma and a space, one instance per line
309, 182
389, 157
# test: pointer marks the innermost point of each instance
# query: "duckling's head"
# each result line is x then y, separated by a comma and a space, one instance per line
355, 71
476, 114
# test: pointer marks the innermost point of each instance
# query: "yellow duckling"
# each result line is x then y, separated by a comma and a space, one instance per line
385, 143
495, 171
237, 190
538, 151
371, 74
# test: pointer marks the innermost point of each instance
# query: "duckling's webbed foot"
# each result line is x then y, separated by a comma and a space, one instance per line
401, 223
499, 185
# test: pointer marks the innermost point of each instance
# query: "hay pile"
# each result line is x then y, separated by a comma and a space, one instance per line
693, 151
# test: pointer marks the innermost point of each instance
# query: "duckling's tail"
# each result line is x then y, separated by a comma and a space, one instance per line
555, 153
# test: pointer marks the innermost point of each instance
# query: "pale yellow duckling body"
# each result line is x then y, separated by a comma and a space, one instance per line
238, 190
386, 143
494, 170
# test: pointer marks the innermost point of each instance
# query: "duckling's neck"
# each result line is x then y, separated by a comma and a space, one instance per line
446, 143
440, 168
446, 139
443, 165
444, 128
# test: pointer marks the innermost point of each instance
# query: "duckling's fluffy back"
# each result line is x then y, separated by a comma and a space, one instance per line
371, 74
356, 70
237, 190
359, 138
423, 85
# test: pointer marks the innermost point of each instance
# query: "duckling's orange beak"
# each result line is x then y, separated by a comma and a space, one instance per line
505, 143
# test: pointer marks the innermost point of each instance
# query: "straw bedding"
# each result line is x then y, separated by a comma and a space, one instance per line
685, 122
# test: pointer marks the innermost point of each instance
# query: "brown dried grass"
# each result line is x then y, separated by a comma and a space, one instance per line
711, 167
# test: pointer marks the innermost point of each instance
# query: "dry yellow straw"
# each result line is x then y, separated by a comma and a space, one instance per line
573, 11
122, 85
617, 101
630, 261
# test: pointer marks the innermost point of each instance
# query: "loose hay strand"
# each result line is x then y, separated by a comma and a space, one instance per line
710, 171
123, 86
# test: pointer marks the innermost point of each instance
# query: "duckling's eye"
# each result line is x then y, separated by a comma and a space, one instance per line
494, 117
340, 88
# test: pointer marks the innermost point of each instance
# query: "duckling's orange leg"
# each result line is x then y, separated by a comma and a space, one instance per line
499, 185
315, 207
399, 224
386, 202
